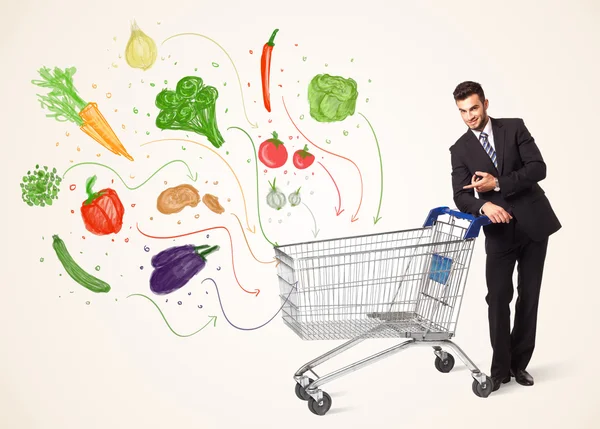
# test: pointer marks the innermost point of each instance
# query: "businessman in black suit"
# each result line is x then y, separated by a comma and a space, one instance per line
499, 159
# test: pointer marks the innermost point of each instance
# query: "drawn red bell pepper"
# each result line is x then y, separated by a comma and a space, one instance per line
103, 211
265, 69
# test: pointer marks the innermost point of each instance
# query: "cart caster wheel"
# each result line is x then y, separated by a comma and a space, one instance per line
320, 408
445, 365
483, 391
301, 392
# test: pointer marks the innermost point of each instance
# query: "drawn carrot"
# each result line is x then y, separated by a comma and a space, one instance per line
66, 105
265, 69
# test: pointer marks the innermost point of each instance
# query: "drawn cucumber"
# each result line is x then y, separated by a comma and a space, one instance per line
75, 271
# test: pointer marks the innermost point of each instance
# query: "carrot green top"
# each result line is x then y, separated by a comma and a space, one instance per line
62, 100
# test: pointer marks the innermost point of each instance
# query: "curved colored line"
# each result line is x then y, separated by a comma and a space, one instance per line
211, 320
248, 329
222, 159
257, 194
377, 218
314, 219
338, 209
354, 218
256, 291
248, 244
253, 125
119, 176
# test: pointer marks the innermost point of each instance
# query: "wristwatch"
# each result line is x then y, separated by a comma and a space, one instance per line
497, 188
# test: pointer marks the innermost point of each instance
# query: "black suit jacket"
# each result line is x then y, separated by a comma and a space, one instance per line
520, 168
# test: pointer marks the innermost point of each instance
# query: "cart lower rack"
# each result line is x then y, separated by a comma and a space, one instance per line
402, 284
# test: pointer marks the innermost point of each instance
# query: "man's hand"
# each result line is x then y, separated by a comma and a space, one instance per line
485, 184
496, 213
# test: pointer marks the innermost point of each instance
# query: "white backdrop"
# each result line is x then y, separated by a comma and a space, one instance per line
72, 359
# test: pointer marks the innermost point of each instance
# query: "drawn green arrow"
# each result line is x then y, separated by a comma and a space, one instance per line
212, 319
193, 178
253, 125
377, 218
257, 195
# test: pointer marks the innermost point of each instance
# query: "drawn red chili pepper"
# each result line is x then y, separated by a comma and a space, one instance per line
265, 69
103, 211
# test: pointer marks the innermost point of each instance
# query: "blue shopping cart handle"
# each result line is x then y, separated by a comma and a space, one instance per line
476, 221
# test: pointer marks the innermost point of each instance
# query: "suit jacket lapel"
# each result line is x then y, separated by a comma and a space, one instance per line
499, 137
476, 148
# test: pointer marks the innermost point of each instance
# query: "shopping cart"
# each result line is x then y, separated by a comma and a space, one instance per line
401, 284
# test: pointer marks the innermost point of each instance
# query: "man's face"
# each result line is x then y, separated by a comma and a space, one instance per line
473, 112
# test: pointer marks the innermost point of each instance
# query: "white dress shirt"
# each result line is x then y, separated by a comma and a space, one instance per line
488, 130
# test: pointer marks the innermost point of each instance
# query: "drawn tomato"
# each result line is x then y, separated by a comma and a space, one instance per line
272, 152
302, 159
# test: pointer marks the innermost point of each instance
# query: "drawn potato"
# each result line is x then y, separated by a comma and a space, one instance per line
212, 202
173, 200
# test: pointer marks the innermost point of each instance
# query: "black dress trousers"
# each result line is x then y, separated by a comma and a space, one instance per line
513, 349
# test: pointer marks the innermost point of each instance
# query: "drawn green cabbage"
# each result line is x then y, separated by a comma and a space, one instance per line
332, 98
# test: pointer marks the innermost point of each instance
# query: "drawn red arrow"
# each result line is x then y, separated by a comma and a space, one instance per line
255, 292
338, 211
354, 216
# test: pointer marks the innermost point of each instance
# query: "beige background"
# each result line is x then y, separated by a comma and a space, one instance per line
114, 364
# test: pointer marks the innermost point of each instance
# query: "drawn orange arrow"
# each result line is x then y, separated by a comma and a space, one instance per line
258, 260
253, 229
354, 216
255, 292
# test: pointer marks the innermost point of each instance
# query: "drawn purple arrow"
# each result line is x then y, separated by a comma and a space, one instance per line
248, 329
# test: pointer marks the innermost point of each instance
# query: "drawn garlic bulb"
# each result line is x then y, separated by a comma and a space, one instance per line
140, 51
294, 198
275, 198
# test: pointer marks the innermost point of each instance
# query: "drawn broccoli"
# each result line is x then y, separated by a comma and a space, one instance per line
191, 107
332, 98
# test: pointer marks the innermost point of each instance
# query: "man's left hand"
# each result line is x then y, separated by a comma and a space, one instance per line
486, 183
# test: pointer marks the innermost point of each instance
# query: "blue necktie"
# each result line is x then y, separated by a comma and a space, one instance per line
488, 148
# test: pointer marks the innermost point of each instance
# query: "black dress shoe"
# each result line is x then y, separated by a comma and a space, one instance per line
522, 377
498, 381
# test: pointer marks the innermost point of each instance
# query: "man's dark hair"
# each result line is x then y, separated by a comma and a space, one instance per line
468, 88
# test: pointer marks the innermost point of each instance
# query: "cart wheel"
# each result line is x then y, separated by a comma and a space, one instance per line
445, 365
483, 390
301, 392
320, 408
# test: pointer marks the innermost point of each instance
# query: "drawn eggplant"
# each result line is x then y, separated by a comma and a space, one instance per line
176, 266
